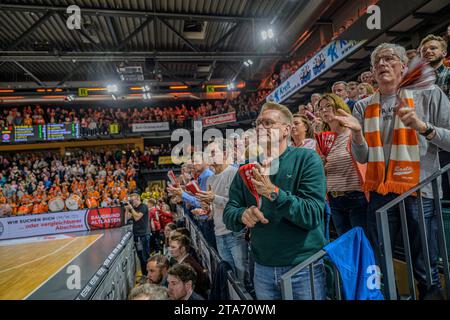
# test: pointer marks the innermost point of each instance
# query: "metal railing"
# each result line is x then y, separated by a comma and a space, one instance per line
286, 279
384, 238
211, 260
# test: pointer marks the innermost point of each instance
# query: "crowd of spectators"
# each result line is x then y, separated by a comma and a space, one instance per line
101, 120
333, 125
31, 182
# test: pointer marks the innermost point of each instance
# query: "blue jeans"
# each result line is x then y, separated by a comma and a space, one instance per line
412, 217
349, 211
207, 229
268, 287
142, 245
232, 248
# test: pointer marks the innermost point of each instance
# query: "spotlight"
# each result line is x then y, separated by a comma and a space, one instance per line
264, 35
147, 96
267, 34
111, 88
230, 86
146, 88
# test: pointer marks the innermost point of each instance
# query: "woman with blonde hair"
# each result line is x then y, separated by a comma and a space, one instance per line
365, 90
345, 176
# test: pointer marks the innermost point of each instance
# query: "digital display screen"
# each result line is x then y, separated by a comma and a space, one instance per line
6, 134
40, 133
62, 132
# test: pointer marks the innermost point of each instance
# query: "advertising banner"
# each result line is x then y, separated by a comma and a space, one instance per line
321, 62
60, 222
219, 119
150, 127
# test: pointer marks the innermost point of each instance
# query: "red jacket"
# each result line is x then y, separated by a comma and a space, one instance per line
154, 217
165, 218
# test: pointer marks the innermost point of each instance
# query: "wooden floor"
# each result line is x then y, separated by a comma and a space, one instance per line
25, 267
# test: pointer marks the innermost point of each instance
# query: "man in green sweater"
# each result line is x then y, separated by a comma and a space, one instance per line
288, 228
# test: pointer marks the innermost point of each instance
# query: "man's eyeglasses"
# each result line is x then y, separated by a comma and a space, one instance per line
389, 59
266, 123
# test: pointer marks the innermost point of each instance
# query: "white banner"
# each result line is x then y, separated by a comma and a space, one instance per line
321, 62
59, 222
151, 126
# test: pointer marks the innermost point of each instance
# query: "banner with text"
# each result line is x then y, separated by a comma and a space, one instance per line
60, 222
219, 119
321, 62
151, 126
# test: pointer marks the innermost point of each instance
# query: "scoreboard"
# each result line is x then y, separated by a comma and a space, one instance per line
40, 133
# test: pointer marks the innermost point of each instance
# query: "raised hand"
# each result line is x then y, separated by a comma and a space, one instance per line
347, 120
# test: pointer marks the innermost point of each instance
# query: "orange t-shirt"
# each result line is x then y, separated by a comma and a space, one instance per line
123, 194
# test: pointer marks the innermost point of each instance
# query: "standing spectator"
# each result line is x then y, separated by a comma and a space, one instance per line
367, 77
364, 90
353, 90
345, 177
411, 54
433, 49
340, 89
290, 213
155, 225
141, 231
302, 134
426, 119
231, 246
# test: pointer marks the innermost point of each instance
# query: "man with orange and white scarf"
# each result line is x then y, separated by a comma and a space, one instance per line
400, 145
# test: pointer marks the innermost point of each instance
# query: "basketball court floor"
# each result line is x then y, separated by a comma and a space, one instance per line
41, 267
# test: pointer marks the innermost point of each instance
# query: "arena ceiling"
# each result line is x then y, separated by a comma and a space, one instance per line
178, 40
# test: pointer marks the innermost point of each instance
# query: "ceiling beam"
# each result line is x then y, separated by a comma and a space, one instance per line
179, 35
74, 69
134, 56
36, 79
225, 36
30, 30
138, 30
134, 13
110, 23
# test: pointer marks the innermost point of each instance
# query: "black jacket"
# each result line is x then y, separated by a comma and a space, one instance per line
219, 288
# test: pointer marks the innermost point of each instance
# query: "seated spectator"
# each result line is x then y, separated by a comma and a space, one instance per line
149, 291
167, 230
182, 282
157, 268
179, 250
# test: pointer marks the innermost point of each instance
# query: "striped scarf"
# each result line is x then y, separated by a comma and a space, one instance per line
403, 171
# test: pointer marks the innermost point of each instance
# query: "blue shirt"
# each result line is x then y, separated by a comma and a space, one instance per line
353, 256
203, 177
